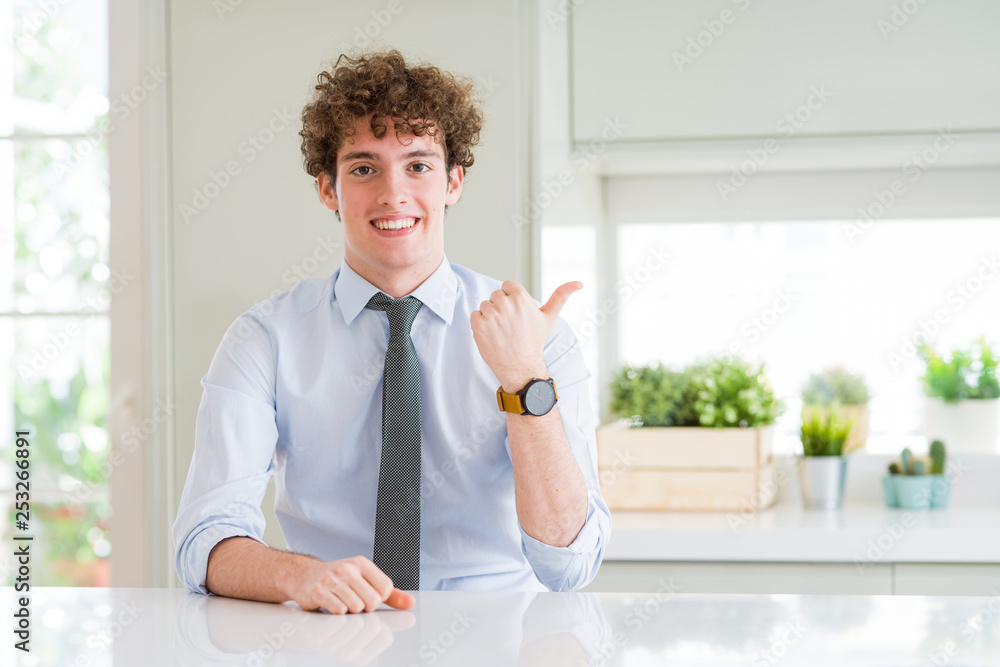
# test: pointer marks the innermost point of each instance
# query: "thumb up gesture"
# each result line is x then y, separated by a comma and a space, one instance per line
510, 331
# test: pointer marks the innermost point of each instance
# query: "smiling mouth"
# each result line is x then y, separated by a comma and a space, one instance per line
391, 225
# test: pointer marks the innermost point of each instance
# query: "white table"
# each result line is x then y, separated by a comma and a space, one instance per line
153, 627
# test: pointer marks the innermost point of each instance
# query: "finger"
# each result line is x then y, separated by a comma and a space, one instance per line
400, 599
382, 584
331, 602
559, 297
499, 294
350, 593
379, 581
512, 287
486, 306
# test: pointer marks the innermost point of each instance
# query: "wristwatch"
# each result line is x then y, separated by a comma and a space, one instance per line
537, 398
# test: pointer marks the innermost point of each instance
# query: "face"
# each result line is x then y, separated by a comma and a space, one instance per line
391, 194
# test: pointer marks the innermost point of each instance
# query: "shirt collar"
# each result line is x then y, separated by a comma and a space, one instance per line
438, 292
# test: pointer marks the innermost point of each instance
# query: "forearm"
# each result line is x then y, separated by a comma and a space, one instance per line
550, 493
241, 567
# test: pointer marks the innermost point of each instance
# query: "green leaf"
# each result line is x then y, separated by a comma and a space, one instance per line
967, 374
721, 392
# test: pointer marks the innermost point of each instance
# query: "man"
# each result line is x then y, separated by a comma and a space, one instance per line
386, 395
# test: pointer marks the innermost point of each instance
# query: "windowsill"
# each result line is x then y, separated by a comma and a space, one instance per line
862, 533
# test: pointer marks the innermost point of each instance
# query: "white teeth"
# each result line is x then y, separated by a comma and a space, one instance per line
401, 223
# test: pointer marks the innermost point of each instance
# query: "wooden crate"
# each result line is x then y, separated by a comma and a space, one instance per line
686, 469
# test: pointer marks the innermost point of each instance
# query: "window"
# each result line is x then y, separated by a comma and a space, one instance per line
801, 296
55, 282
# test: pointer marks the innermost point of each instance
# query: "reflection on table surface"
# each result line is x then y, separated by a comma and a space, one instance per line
150, 627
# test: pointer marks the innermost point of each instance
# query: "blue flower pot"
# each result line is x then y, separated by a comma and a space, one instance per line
889, 491
914, 491
940, 490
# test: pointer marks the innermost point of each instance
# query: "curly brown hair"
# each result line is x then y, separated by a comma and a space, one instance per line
420, 99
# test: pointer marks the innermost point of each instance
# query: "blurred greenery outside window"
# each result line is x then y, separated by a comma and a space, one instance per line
55, 284
797, 295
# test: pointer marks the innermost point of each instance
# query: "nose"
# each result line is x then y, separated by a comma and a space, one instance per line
393, 191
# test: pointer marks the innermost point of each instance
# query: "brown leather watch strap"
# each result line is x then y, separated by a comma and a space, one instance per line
510, 402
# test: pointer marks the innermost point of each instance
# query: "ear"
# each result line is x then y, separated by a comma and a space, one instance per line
455, 180
327, 193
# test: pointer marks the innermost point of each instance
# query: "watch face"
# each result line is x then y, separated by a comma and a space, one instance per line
539, 398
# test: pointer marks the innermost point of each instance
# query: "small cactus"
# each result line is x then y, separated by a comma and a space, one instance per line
894, 469
937, 457
919, 468
907, 461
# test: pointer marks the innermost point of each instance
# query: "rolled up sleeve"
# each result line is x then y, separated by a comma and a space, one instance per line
235, 437
575, 565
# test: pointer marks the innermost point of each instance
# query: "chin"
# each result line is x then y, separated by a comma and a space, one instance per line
401, 260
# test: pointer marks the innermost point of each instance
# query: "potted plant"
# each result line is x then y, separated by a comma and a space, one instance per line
695, 438
962, 397
837, 385
823, 466
918, 483
724, 392
940, 483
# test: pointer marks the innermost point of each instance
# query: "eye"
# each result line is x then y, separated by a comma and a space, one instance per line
426, 167
358, 169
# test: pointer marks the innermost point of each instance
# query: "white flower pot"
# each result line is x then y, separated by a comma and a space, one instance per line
821, 479
971, 426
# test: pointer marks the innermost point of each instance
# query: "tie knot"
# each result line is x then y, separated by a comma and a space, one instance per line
401, 312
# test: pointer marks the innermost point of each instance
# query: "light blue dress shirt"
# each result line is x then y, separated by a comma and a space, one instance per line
295, 391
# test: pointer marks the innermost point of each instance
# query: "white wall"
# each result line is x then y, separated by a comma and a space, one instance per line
733, 68
817, 105
228, 74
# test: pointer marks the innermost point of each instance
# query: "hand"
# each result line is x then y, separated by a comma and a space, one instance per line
351, 585
510, 331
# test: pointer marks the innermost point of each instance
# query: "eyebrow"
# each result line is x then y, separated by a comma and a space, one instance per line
365, 155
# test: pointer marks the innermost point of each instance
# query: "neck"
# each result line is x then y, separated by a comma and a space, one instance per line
398, 283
